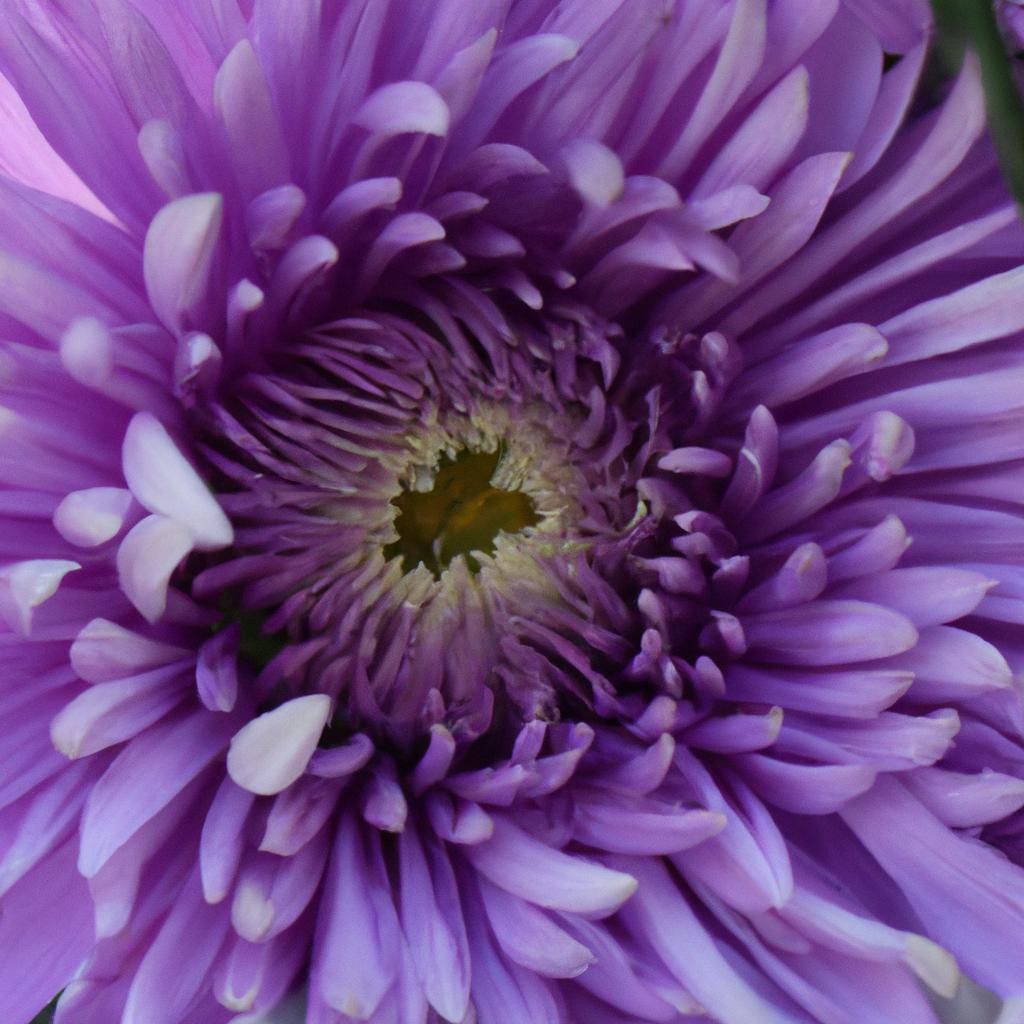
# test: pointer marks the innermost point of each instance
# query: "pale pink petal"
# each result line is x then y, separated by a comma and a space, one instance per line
272, 751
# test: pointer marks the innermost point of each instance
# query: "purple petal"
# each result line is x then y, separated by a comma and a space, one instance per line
145, 777
530, 938
104, 651
217, 671
521, 865
223, 839
166, 983
650, 832
41, 961
433, 925
828, 633
358, 950
247, 112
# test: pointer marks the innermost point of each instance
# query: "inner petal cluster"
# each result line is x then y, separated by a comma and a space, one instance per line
428, 502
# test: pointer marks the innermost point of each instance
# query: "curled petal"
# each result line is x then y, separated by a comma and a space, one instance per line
164, 482
272, 751
147, 557
26, 585
92, 517
180, 246
540, 874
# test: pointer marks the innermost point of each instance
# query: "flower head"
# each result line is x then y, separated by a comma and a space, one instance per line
510, 515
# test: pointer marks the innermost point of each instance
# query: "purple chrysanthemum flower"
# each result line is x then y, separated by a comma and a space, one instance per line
511, 515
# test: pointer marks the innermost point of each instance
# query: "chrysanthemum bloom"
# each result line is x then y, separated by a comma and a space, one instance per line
511, 514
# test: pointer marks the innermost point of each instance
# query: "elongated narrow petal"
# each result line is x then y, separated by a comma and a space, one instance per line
829, 633
144, 777
537, 873
531, 939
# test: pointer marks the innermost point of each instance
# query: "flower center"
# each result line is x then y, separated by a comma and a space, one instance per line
440, 541
463, 512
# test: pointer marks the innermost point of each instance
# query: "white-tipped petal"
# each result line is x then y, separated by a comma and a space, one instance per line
92, 517
594, 171
178, 254
104, 651
87, 352
272, 751
163, 481
404, 108
935, 966
146, 558
26, 585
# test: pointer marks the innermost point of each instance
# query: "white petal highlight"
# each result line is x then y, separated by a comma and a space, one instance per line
163, 481
272, 751
594, 171
178, 253
87, 352
26, 585
92, 517
146, 558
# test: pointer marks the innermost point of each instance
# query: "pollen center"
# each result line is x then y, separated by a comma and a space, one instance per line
462, 513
